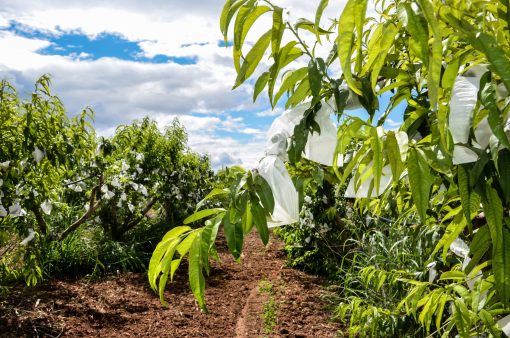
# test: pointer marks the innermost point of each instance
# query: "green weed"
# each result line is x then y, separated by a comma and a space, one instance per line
270, 307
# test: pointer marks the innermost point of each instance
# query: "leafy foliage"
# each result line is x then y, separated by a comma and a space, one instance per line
75, 203
243, 203
415, 49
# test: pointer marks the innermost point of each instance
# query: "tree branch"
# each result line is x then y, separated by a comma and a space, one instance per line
92, 208
80, 180
148, 207
41, 223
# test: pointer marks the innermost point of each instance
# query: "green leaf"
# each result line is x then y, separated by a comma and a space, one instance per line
436, 57
418, 28
489, 100
493, 210
375, 141
213, 193
452, 231
452, 274
165, 267
486, 44
299, 94
315, 79
182, 248
208, 238
479, 246
286, 55
489, 323
202, 214
420, 181
318, 15
394, 156
500, 236
369, 100
278, 29
300, 183
165, 248
175, 232
253, 58
440, 309
185, 244
389, 32
351, 18
348, 170
450, 74
233, 235
216, 191
260, 84
264, 193
260, 220
289, 82
308, 25
158, 264
247, 220
469, 198
298, 142
227, 13
462, 318
504, 172
244, 21
168, 265
195, 271
505, 265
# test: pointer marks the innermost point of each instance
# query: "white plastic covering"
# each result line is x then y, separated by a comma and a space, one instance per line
272, 168
504, 324
461, 249
431, 267
462, 154
462, 104
31, 235
463, 101
319, 148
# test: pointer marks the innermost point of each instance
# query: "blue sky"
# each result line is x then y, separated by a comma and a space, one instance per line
126, 60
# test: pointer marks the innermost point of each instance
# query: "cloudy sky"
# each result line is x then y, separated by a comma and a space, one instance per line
129, 58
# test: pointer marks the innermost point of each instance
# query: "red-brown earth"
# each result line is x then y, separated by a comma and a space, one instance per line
124, 306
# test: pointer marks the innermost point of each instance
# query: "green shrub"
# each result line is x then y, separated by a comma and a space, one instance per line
77, 204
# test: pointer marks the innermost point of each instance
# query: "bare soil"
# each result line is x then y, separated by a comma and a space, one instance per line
124, 306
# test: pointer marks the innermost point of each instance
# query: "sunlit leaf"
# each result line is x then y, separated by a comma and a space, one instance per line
420, 181
202, 214
253, 58
349, 23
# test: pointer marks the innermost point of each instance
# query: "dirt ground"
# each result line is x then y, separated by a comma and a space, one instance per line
124, 306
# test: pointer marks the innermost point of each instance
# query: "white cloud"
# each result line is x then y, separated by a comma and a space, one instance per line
19, 52
246, 154
270, 112
391, 124
252, 131
120, 91
3, 22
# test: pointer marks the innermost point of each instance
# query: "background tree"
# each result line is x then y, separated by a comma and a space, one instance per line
72, 202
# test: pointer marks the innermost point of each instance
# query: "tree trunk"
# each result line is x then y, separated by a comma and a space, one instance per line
92, 208
41, 223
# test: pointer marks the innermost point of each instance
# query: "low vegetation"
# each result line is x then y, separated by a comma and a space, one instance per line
269, 307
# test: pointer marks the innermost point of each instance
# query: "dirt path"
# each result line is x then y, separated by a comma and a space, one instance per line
237, 296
